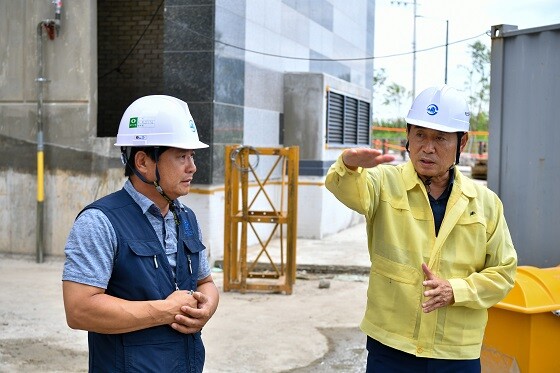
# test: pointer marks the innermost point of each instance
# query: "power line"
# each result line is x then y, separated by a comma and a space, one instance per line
272, 54
325, 59
430, 48
340, 59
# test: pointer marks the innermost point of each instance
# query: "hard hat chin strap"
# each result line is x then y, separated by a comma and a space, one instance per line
160, 189
459, 137
155, 183
169, 200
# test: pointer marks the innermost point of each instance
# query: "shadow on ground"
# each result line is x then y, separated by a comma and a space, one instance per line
37, 355
347, 353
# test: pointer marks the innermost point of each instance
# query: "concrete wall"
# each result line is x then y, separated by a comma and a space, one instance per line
236, 97
79, 167
305, 107
320, 214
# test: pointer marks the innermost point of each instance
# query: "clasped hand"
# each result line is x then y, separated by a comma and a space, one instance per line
193, 313
440, 293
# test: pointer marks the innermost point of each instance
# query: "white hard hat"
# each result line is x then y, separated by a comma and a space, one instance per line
158, 121
442, 109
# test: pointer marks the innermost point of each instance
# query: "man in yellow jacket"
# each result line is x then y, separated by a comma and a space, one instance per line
440, 249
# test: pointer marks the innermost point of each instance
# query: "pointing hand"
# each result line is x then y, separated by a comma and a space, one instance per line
364, 157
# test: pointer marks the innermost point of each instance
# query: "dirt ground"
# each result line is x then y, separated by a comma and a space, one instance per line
33, 332
313, 330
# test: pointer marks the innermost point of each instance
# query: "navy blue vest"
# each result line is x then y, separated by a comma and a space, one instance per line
142, 272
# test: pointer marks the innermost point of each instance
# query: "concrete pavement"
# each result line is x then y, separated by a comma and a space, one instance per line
315, 329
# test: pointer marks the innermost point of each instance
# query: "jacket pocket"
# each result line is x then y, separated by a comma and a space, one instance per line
162, 349
465, 249
193, 245
394, 296
148, 263
464, 326
146, 254
159, 349
145, 248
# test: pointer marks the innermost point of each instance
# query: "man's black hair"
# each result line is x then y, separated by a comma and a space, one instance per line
150, 152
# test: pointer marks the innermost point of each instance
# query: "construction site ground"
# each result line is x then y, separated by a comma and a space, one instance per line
315, 329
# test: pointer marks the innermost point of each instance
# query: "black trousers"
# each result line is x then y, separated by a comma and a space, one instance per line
384, 359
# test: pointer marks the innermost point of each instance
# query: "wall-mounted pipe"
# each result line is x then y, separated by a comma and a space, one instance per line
57, 15
50, 25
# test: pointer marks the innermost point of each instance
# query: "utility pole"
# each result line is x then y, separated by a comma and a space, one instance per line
414, 55
446, 47
446, 41
405, 3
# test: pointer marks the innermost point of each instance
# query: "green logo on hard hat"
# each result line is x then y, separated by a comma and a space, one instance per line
133, 123
192, 126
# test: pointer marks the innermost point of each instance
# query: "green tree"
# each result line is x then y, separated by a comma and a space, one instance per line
379, 78
395, 94
478, 85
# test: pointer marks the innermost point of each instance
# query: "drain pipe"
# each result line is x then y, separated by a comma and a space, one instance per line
52, 26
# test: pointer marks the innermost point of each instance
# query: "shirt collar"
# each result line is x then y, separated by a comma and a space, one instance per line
144, 202
411, 178
466, 185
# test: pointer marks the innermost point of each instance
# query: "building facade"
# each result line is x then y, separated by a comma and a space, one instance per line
260, 73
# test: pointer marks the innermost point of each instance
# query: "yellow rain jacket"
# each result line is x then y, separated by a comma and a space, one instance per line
473, 251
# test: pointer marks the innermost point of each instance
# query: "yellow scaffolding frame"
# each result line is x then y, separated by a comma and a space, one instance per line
250, 268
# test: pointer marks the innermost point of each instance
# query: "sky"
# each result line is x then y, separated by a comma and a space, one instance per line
466, 18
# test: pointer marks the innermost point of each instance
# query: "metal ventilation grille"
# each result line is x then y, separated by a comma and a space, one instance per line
347, 120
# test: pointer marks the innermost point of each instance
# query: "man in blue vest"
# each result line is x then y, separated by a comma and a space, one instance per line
136, 275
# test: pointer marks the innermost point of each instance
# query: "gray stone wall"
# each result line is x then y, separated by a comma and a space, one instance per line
130, 57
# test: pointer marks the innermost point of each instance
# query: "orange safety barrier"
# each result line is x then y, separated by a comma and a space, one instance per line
392, 146
388, 129
400, 129
385, 144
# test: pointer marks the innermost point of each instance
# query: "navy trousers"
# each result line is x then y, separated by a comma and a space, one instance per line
384, 359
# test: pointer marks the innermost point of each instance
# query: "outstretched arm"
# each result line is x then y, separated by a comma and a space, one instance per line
352, 186
364, 157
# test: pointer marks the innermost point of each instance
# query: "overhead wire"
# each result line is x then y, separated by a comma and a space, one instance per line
328, 59
117, 69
